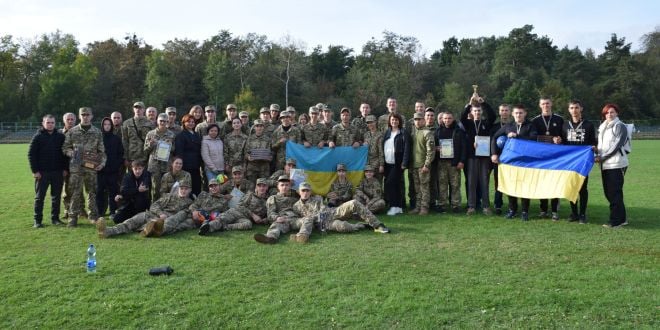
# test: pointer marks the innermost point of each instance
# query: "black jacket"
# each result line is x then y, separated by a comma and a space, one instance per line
401, 147
458, 136
580, 134
130, 193
45, 152
114, 152
527, 132
188, 146
482, 127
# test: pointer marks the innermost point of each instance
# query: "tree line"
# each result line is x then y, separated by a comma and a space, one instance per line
52, 74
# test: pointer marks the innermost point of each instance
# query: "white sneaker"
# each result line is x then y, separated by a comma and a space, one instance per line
391, 211
399, 210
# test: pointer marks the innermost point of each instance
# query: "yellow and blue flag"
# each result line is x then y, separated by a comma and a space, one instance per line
320, 165
535, 170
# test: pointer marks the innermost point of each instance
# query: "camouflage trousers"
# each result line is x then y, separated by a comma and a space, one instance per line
422, 183
449, 178
345, 212
86, 179
375, 205
157, 170
67, 193
135, 223
180, 221
231, 220
256, 170
303, 225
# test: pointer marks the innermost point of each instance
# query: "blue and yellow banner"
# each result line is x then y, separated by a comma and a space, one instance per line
320, 165
537, 170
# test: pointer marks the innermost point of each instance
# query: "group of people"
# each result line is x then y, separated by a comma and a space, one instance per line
155, 176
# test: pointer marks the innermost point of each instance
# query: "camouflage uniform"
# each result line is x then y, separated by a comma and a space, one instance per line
310, 210
282, 206
344, 136
234, 150
423, 152
226, 129
78, 140
375, 156
176, 129
361, 124
168, 180
156, 167
330, 125
66, 191
370, 194
133, 133
183, 220
383, 124
314, 133
279, 148
244, 186
201, 128
269, 128
169, 205
343, 190
240, 218
257, 168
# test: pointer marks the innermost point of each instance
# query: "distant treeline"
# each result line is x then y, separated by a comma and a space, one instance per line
52, 74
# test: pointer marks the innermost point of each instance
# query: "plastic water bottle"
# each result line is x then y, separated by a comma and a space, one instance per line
91, 259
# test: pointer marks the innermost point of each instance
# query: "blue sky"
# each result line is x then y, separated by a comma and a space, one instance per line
585, 24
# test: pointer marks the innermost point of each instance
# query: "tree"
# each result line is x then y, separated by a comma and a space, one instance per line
9, 78
221, 78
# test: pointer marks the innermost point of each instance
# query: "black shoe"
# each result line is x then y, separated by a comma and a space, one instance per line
510, 215
456, 209
573, 217
261, 238
440, 209
382, 229
57, 222
37, 225
498, 211
543, 215
204, 228
583, 219
524, 216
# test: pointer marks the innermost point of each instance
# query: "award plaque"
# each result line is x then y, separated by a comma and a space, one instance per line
544, 138
163, 151
446, 148
482, 146
91, 160
261, 154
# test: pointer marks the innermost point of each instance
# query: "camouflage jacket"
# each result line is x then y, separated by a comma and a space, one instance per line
176, 129
256, 142
314, 133
226, 129
201, 128
78, 141
234, 149
209, 203
251, 203
168, 180
280, 206
360, 123
245, 186
344, 136
344, 191
293, 135
133, 134
154, 135
169, 204
309, 208
375, 156
369, 189
422, 148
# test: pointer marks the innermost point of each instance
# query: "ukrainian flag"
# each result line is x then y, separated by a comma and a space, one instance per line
320, 165
536, 170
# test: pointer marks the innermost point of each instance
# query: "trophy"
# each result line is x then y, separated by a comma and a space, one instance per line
474, 100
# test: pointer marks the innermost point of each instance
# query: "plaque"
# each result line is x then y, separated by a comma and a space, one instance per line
446, 148
91, 160
482, 146
544, 138
163, 151
261, 154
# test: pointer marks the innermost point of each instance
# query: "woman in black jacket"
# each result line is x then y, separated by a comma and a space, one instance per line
188, 146
107, 178
396, 150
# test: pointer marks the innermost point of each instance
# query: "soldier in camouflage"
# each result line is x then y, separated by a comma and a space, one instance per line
281, 215
360, 122
175, 174
69, 120
81, 140
251, 209
423, 153
237, 181
269, 127
202, 128
171, 121
341, 190
326, 114
166, 206
154, 140
272, 181
257, 168
383, 120
344, 134
133, 133
234, 146
370, 192
373, 139
286, 132
314, 133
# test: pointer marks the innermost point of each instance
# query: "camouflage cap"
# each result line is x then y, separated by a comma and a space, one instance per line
264, 110
185, 183
283, 178
163, 116
418, 115
213, 182
345, 109
262, 181
274, 107
429, 109
170, 110
139, 104
322, 107
341, 166
243, 114
291, 109
285, 114
369, 168
370, 118
237, 168
85, 110
231, 106
304, 186
290, 161
313, 110
258, 122
210, 108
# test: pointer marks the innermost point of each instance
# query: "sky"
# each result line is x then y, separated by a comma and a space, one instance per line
583, 24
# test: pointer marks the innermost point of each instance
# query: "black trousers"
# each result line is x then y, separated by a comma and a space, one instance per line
584, 198
613, 187
498, 198
54, 179
554, 204
106, 190
196, 179
393, 187
513, 204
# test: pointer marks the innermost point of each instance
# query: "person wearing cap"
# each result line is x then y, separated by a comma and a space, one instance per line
226, 125
188, 147
206, 207
314, 133
210, 113
245, 119
423, 153
269, 127
383, 120
281, 215
258, 165
327, 114
213, 152
171, 123
432, 126
83, 144
275, 114
108, 177
344, 134
272, 181
311, 209
159, 145
282, 134
135, 192
164, 207
370, 192
360, 122
234, 143
292, 112
237, 182
410, 127
373, 140
341, 190
69, 120
450, 162
251, 209
133, 133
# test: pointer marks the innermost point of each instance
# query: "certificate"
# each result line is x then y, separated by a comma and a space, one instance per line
446, 148
297, 177
236, 196
482, 146
163, 151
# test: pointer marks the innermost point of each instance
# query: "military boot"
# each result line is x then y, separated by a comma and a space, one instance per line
424, 211
149, 228
159, 227
299, 238
101, 229
261, 238
73, 222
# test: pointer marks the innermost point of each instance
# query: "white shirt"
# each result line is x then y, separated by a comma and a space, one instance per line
388, 149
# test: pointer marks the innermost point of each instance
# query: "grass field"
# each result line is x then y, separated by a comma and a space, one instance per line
438, 271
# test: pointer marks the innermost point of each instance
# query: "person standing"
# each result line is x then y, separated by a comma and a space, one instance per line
83, 144
211, 116
581, 132
344, 134
48, 166
109, 175
314, 133
384, 120
133, 132
373, 140
234, 146
360, 122
612, 135
69, 120
159, 145
171, 121
213, 151
257, 153
423, 150
117, 120
504, 111
451, 158
283, 133
188, 147
396, 151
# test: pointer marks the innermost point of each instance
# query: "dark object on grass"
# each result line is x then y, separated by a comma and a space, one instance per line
165, 270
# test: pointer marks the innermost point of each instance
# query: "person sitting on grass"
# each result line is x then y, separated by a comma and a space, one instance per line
135, 193
341, 189
281, 215
370, 192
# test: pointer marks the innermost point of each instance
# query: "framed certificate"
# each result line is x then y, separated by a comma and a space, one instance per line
446, 148
163, 151
260, 154
482, 146
91, 160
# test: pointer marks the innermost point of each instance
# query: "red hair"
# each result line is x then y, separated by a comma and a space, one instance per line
607, 107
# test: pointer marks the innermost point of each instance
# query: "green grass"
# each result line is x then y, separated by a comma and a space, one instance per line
437, 271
